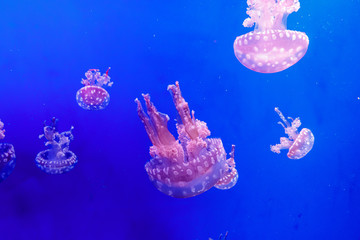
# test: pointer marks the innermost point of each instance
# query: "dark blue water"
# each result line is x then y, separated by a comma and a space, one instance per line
45, 49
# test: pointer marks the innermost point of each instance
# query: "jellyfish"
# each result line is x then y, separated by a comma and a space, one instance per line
7, 156
191, 165
58, 158
93, 96
299, 144
270, 47
221, 236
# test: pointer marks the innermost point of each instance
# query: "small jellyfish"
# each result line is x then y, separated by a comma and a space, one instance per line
93, 96
299, 144
221, 236
270, 47
191, 165
7, 156
58, 158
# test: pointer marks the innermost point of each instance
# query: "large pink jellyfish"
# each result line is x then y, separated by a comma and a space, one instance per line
270, 47
299, 144
58, 159
191, 165
7, 156
93, 96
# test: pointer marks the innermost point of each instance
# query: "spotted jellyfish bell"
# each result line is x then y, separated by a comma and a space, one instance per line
93, 96
270, 48
299, 144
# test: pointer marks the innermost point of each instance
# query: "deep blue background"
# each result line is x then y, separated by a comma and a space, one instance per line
45, 49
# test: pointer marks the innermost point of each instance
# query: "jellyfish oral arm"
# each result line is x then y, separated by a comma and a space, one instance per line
193, 127
2, 130
285, 143
269, 14
183, 109
230, 177
59, 143
192, 131
93, 77
290, 129
165, 144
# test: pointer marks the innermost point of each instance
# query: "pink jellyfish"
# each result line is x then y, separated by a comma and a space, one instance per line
7, 156
270, 47
191, 165
93, 96
58, 159
299, 144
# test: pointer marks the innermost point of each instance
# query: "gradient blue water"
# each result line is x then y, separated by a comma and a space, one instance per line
46, 47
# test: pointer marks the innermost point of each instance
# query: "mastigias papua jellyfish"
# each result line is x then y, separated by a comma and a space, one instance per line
58, 158
299, 144
191, 165
93, 96
7, 156
270, 47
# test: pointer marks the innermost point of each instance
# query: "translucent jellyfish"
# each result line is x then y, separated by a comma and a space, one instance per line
221, 236
191, 165
58, 158
7, 156
93, 96
299, 144
270, 47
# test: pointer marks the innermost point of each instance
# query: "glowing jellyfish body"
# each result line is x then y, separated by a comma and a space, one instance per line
191, 165
93, 96
58, 158
7, 156
299, 144
270, 47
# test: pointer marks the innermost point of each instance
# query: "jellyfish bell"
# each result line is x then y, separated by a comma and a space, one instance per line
299, 144
270, 48
58, 158
7, 160
93, 96
302, 144
53, 164
7, 156
191, 165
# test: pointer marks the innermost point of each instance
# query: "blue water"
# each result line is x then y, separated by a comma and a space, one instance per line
45, 49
